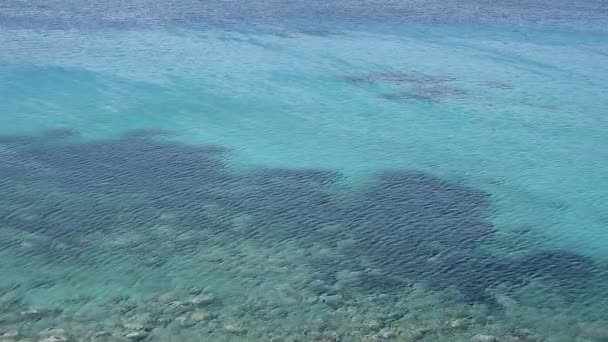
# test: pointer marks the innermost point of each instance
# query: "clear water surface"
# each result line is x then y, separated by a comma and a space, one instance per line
303, 170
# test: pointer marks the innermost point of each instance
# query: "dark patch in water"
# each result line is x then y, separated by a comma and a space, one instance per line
410, 225
295, 201
49, 135
423, 210
130, 166
414, 86
426, 94
413, 223
558, 265
396, 77
406, 96
499, 85
147, 133
471, 273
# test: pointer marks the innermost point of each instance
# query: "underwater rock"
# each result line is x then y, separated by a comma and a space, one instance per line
484, 338
167, 297
595, 331
318, 287
528, 335
78, 299
139, 321
154, 262
178, 307
11, 334
136, 335
326, 336
346, 245
333, 301
372, 324
234, 329
416, 333
194, 290
54, 338
10, 318
199, 316
52, 332
134, 326
34, 313
347, 278
459, 323
184, 322
311, 300
202, 300
387, 334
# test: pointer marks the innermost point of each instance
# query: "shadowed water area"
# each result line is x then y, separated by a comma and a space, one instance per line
401, 227
410, 224
303, 171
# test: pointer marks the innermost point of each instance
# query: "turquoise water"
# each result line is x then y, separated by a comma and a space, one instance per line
303, 171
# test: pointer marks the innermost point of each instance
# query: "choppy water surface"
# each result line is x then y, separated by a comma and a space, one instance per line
303, 171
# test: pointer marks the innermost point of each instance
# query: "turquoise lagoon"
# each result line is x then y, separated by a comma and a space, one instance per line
303, 172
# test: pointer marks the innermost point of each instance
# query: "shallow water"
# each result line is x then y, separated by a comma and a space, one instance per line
411, 171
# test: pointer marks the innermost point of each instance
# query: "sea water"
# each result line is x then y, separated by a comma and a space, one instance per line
303, 171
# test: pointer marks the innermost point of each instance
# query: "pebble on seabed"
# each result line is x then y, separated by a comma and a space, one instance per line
136, 335
332, 301
166, 297
459, 323
54, 339
52, 332
10, 334
134, 326
235, 329
372, 324
199, 316
386, 334
201, 300
484, 338
31, 313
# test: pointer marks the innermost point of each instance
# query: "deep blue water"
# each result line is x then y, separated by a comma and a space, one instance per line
303, 171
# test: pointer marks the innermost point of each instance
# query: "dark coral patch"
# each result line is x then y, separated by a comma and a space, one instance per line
411, 86
295, 201
408, 225
396, 77
556, 265
426, 94
420, 210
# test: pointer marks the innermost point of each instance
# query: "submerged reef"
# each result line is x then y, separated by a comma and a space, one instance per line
282, 245
409, 86
409, 225
426, 94
396, 77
